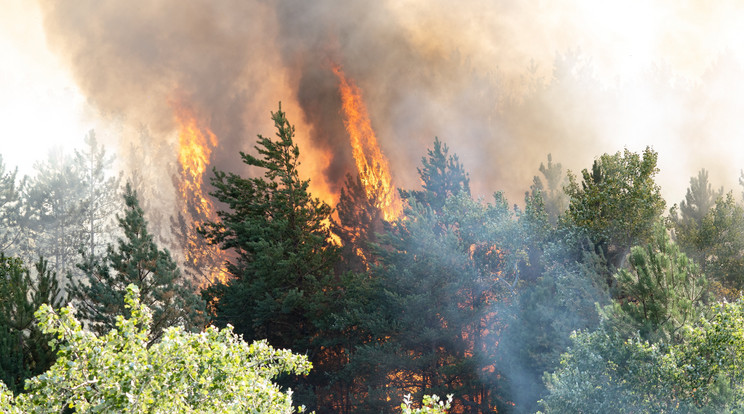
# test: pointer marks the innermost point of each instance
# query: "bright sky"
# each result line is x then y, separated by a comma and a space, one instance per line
40, 106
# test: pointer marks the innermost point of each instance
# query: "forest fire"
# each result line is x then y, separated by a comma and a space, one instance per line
195, 147
196, 143
373, 167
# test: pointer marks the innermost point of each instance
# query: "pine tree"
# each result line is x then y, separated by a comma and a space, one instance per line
719, 245
442, 177
432, 315
689, 219
100, 200
662, 289
25, 350
55, 211
282, 281
699, 199
554, 198
358, 224
137, 260
10, 210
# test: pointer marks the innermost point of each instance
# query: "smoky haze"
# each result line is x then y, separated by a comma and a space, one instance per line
502, 83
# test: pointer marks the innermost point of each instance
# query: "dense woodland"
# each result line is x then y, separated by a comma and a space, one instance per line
597, 294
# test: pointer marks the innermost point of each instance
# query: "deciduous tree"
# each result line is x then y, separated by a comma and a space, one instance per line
617, 202
183, 372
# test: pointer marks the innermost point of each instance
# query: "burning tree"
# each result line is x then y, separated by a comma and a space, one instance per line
202, 262
431, 311
373, 168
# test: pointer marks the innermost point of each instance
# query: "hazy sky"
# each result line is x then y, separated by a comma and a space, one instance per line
40, 105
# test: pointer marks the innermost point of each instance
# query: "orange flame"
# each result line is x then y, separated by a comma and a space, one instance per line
196, 142
195, 148
373, 167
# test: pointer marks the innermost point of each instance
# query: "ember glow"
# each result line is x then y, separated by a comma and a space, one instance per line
373, 167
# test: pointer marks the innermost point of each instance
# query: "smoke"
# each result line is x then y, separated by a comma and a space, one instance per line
502, 83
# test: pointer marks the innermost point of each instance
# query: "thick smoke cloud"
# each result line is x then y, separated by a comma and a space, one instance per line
503, 83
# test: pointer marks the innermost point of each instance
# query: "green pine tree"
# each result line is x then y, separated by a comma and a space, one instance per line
282, 258
25, 350
11, 231
54, 212
551, 190
137, 260
100, 200
442, 176
432, 316
662, 289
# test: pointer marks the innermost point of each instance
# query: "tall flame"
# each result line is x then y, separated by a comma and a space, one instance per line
373, 167
195, 144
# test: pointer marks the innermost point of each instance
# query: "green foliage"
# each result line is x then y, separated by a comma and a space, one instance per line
699, 199
662, 289
706, 370
100, 199
24, 349
136, 260
562, 300
282, 283
441, 275
54, 213
10, 208
604, 372
551, 191
617, 202
442, 176
211, 371
430, 405
721, 243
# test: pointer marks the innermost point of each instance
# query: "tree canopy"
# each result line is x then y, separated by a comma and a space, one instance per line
183, 372
617, 202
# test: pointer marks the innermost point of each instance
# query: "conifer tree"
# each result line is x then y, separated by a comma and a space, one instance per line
432, 317
699, 199
136, 259
442, 176
720, 245
25, 350
100, 199
282, 281
554, 199
662, 289
54, 212
359, 222
10, 209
